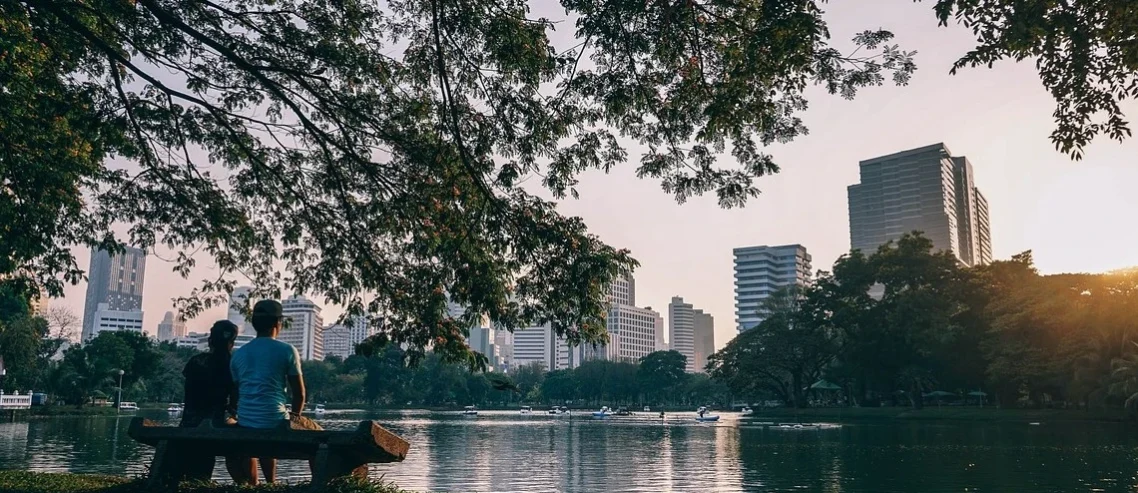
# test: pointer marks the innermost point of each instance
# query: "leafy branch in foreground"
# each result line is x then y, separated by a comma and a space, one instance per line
375, 152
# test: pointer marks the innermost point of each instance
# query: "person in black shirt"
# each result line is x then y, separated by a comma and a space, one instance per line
211, 395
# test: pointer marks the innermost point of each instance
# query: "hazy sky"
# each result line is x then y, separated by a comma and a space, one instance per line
1076, 217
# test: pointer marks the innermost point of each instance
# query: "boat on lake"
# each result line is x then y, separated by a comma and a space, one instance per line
175, 408
319, 411
128, 406
623, 412
746, 411
603, 413
526, 410
702, 415
469, 411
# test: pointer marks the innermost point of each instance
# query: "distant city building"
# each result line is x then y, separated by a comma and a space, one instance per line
925, 189
504, 339
533, 345
760, 271
360, 329
116, 282
622, 290
632, 332
337, 341
106, 319
704, 333
200, 342
171, 327
304, 328
482, 341
681, 330
239, 304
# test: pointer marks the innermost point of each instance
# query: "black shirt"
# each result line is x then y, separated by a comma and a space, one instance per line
209, 386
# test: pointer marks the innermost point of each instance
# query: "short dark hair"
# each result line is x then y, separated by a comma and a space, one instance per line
264, 324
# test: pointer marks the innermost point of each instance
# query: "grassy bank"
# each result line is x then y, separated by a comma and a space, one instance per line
990, 414
28, 482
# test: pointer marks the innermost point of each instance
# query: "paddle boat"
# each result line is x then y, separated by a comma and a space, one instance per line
746, 411
647, 409
603, 413
623, 412
128, 406
319, 411
469, 411
526, 410
175, 408
702, 416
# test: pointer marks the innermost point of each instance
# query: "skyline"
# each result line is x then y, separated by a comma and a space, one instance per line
1000, 118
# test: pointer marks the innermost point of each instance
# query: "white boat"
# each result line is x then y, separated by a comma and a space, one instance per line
469, 411
128, 406
702, 415
747, 411
175, 408
319, 409
553, 411
603, 413
647, 409
526, 410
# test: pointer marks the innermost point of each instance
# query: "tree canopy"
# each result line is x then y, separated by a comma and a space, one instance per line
375, 152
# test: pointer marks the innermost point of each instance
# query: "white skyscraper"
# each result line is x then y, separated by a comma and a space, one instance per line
622, 290
359, 329
337, 341
504, 339
239, 303
681, 330
533, 345
107, 320
117, 283
304, 328
171, 327
759, 272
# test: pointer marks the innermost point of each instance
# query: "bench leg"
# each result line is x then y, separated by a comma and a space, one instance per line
327, 466
163, 470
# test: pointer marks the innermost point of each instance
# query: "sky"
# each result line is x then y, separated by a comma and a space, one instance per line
1074, 216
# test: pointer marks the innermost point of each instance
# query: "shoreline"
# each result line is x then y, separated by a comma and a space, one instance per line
37, 482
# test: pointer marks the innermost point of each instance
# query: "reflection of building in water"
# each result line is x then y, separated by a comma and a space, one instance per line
14, 445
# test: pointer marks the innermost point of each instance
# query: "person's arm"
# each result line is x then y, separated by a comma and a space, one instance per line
296, 383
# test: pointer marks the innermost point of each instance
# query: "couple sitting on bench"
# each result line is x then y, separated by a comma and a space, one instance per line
247, 390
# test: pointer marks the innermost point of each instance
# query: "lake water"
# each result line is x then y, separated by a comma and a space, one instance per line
505, 451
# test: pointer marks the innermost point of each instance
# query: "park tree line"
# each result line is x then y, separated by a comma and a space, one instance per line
893, 326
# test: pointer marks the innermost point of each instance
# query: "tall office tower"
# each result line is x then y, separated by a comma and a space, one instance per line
704, 325
925, 189
632, 333
661, 329
622, 290
504, 340
171, 327
567, 357
681, 330
533, 345
337, 341
762, 270
239, 303
481, 341
107, 319
116, 282
360, 328
305, 327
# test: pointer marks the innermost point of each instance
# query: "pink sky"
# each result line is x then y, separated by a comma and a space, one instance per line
1076, 217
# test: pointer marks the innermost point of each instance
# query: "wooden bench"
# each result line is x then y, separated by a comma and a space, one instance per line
333, 453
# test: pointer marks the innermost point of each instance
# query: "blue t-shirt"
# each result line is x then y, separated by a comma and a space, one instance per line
261, 369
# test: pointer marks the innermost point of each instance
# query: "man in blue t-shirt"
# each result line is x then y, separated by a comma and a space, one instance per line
263, 369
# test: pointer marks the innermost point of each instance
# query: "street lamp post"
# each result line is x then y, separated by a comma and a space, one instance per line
118, 401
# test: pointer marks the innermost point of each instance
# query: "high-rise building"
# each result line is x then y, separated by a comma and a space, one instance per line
360, 328
533, 345
337, 341
704, 331
925, 189
171, 327
759, 272
106, 319
481, 341
504, 339
239, 304
681, 330
632, 332
304, 328
622, 290
116, 282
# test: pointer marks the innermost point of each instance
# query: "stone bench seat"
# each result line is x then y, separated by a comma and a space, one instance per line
332, 453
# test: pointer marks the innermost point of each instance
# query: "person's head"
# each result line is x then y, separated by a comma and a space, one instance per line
221, 337
267, 315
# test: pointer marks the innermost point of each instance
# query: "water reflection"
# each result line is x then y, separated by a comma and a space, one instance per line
510, 452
